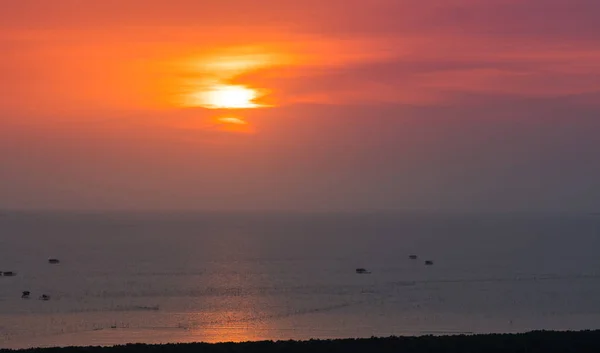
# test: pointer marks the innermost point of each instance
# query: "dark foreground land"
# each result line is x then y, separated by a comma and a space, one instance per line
538, 341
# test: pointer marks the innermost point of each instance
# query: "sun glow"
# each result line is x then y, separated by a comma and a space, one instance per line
225, 97
230, 120
217, 81
233, 124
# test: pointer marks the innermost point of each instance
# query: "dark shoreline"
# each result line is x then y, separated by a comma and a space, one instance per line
531, 342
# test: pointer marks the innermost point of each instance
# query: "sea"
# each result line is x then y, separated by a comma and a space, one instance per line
244, 276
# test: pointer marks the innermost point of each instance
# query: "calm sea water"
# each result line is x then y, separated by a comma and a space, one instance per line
236, 277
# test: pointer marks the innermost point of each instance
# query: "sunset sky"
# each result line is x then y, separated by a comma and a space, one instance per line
460, 105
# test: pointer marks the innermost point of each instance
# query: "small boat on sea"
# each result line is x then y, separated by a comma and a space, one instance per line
428, 262
25, 294
44, 297
8, 273
362, 271
412, 257
53, 261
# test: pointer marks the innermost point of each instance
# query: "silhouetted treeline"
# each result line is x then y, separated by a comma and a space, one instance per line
532, 342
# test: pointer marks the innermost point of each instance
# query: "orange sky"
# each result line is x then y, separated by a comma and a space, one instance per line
134, 55
120, 71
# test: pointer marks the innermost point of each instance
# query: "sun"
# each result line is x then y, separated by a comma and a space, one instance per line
226, 97
231, 97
